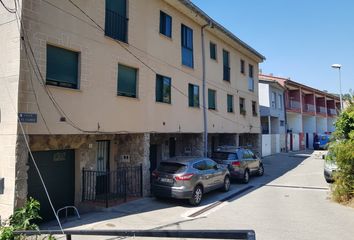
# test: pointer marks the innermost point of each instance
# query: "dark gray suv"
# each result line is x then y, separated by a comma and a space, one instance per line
241, 162
189, 178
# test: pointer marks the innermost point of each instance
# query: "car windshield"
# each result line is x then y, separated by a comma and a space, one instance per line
225, 156
171, 167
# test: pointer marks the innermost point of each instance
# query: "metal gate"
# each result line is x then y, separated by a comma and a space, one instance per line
119, 185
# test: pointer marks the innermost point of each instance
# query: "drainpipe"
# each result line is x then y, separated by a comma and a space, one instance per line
205, 117
286, 122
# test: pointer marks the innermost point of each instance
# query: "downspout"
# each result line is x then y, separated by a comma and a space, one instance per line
286, 122
205, 117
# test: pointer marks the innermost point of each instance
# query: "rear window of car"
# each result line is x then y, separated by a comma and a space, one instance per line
171, 167
225, 156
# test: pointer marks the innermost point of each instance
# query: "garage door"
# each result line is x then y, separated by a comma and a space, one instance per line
58, 172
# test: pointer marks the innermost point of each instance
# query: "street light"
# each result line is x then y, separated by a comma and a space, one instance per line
338, 66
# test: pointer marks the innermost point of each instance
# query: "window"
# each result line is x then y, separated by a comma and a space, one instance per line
187, 46
62, 67
274, 100
163, 89
210, 164
193, 95
250, 71
280, 101
282, 123
211, 99
226, 61
251, 84
230, 103
165, 24
242, 106
127, 81
242, 63
213, 50
116, 22
254, 108
201, 166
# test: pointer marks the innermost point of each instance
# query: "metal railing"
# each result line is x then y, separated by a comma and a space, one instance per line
321, 109
294, 104
309, 108
331, 111
112, 186
183, 234
226, 75
116, 26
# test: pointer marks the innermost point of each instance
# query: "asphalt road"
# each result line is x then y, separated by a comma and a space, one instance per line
291, 201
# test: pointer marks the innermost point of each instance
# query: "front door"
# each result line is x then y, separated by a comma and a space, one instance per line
102, 167
172, 147
58, 172
153, 158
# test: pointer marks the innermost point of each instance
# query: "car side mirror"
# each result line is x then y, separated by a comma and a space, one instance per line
216, 167
254, 156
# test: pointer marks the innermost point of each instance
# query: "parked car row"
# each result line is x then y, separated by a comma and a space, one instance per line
191, 177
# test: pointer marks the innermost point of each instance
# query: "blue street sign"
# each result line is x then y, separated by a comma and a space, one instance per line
28, 117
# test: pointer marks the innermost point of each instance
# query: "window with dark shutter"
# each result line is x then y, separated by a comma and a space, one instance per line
211, 99
230, 103
193, 95
127, 81
116, 22
212, 50
226, 62
62, 67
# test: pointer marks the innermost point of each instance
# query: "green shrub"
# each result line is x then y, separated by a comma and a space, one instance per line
22, 219
343, 188
343, 149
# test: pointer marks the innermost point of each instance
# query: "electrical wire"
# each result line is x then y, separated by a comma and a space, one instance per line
219, 86
141, 61
10, 10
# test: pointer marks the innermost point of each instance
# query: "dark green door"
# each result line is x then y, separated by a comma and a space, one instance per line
58, 172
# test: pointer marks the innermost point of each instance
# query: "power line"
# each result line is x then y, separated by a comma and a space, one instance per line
10, 10
141, 61
97, 26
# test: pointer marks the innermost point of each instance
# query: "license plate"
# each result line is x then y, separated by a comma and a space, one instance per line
166, 180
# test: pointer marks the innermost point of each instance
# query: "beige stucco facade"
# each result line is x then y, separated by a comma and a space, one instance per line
95, 107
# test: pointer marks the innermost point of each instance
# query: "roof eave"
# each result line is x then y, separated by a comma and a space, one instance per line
208, 19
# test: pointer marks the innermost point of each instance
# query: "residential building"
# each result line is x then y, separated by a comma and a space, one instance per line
105, 90
309, 111
272, 112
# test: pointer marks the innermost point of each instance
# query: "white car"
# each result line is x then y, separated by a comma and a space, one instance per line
330, 167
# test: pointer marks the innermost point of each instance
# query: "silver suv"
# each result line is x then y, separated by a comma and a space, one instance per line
241, 162
189, 178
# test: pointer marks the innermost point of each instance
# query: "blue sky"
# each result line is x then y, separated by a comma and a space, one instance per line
301, 39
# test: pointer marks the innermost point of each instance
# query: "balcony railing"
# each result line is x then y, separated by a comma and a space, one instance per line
321, 110
116, 26
309, 108
331, 111
226, 73
294, 104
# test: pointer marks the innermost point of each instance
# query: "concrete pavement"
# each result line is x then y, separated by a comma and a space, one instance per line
291, 201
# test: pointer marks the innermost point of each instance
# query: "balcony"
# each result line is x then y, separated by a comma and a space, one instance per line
309, 108
116, 26
331, 111
294, 105
321, 110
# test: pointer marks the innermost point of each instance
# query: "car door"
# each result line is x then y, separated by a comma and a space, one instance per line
217, 176
253, 161
205, 175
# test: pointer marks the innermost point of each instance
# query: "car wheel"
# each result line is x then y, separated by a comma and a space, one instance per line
246, 176
227, 184
260, 170
197, 196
